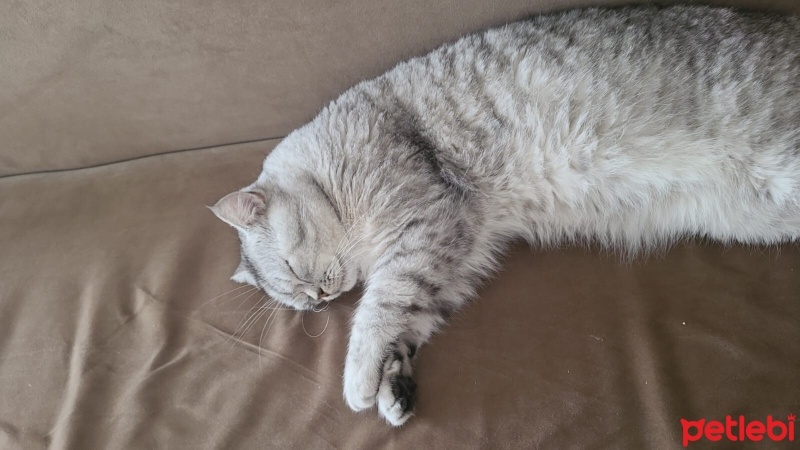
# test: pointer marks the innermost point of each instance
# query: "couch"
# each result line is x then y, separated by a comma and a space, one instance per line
120, 328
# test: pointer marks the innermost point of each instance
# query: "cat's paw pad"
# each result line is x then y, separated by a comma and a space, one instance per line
397, 394
360, 386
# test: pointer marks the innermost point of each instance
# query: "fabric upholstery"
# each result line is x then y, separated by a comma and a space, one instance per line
119, 328
87, 82
109, 337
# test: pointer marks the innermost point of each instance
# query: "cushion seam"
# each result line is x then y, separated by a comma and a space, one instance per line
136, 158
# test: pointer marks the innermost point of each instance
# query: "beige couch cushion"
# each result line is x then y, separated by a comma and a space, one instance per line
110, 339
110, 333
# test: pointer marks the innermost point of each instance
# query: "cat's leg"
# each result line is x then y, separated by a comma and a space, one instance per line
398, 313
421, 280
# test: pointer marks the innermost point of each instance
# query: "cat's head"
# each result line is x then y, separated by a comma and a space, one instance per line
290, 243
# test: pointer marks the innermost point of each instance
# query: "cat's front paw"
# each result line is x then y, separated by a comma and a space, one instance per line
385, 380
397, 393
361, 379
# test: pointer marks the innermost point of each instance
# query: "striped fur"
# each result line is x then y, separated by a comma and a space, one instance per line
629, 127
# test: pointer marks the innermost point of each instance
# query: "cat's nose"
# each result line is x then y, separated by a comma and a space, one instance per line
321, 294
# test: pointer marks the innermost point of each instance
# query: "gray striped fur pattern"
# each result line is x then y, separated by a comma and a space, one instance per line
629, 127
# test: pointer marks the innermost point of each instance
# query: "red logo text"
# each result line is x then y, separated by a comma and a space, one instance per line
738, 430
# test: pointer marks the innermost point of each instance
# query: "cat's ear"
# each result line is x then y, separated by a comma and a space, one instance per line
241, 209
243, 276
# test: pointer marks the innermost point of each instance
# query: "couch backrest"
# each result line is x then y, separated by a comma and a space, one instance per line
88, 82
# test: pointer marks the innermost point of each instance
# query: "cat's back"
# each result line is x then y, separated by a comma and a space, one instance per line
673, 55
694, 63
600, 109
692, 84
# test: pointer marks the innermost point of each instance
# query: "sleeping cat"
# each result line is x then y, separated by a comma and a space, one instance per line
629, 127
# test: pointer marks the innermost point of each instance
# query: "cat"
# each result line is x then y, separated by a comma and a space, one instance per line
630, 127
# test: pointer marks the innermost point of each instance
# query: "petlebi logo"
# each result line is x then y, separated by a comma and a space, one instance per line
739, 429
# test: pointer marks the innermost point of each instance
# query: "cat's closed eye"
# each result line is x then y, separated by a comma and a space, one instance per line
293, 271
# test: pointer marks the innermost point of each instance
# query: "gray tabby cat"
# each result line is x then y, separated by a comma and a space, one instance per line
630, 127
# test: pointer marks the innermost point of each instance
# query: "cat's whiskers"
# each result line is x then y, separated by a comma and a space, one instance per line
281, 308
269, 307
303, 323
338, 248
264, 333
252, 292
339, 273
256, 316
245, 320
261, 339
350, 248
347, 235
237, 337
349, 258
247, 317
343, 247
324, 308
354, 256
225, 293
342, 253
249, 291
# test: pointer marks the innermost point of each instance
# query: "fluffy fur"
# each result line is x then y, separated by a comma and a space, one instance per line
630, 127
